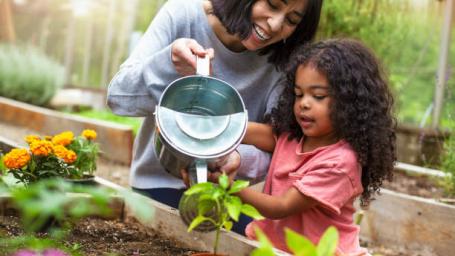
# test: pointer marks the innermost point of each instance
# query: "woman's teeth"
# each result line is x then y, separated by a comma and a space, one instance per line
260, 33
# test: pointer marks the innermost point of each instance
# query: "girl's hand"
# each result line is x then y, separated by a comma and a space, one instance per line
183, 53
185, 177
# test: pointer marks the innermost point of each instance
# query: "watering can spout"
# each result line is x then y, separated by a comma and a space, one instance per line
198, 172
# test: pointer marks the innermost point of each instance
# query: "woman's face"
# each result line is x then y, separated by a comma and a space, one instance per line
273, 21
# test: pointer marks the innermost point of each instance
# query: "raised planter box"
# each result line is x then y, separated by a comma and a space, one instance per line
116, 141
419, 223
420, 146
7, 145
166, 221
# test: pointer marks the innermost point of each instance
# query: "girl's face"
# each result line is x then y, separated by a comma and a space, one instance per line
273, 21
312, 103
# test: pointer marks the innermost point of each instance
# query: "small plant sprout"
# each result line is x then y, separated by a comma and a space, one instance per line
300, 245
217, 205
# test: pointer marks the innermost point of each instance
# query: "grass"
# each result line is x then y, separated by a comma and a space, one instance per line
106, 115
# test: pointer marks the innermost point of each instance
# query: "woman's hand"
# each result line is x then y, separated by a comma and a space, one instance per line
229, 165
183, 54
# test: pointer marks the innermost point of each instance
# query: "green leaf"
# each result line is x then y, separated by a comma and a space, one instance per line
238, 185
205, 205
265, 246
200, 187
233, 205
328, 243
223, 180
228, 225
251, 211
299, 244
196, 222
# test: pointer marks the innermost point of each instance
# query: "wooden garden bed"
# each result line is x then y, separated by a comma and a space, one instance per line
400, 219
116, 141
165, 225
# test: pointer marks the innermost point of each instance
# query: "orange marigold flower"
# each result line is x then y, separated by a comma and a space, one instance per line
70, 157
41, 148
16, 158
67, 155
64, 138
89, 134
31, 138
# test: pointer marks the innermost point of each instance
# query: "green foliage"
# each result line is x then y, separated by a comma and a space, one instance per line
448, 164
107, 115
55, 206
300, 245
87, 155
28, 75
218, 205
405, 38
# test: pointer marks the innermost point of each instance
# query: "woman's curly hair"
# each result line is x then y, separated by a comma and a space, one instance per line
361, 108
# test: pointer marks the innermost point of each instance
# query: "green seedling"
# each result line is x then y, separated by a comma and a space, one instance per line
219, 205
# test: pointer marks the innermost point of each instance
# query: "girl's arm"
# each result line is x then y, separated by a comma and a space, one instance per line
274, 207
260, 135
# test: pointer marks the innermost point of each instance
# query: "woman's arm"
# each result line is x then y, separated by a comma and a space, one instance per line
277, 207
260, 135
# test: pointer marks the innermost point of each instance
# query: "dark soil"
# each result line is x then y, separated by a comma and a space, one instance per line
418, 185
97, 237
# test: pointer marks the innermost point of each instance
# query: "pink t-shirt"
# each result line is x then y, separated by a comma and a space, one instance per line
332, 176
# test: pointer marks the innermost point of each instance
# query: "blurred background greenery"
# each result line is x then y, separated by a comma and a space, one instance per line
91, 38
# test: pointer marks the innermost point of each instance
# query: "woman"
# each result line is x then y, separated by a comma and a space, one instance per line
249, 42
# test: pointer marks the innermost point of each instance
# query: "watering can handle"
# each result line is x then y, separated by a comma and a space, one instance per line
198, 172
203, 66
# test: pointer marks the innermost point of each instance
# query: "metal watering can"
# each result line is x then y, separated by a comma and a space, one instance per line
199, 119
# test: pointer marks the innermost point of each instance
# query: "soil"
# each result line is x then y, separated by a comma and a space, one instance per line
97, 237
418, 185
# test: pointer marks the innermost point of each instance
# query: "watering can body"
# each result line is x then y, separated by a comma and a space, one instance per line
199, 119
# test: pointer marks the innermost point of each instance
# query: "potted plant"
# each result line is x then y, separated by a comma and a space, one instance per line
62, 155
216, 206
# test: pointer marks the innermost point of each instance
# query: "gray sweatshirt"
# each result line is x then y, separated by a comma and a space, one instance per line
136, 89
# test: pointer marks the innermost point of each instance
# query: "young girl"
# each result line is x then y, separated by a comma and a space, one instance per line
332, 137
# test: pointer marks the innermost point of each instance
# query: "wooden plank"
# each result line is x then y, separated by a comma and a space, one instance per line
7, 32
399, 219
116, 141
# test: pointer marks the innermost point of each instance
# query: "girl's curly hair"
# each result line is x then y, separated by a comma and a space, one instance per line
361, 108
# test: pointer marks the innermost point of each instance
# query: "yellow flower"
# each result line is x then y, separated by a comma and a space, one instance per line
67, 155
16, 158
31, 138
41, 148
89, 134
64, 138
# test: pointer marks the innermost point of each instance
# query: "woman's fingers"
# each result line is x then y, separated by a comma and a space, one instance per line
183, 55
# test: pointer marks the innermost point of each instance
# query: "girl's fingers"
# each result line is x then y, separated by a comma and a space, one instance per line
185, 177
